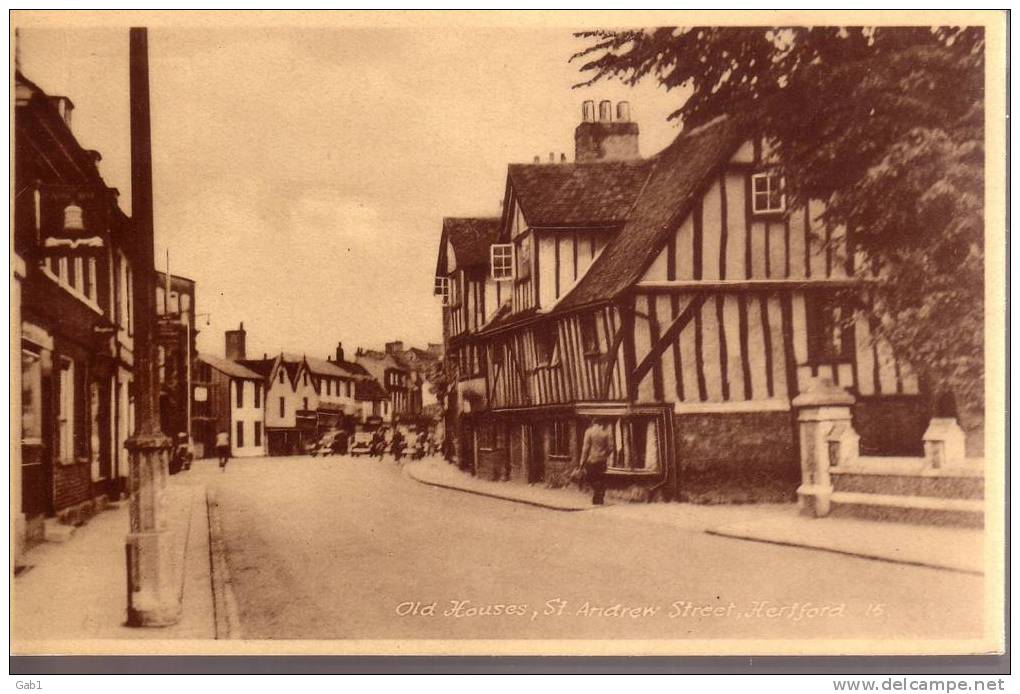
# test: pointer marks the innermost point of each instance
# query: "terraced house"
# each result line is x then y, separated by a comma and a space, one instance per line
678, 295
72, 322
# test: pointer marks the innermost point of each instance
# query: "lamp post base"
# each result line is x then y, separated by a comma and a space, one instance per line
153, 589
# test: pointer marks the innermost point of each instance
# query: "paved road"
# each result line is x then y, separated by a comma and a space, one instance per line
351, 548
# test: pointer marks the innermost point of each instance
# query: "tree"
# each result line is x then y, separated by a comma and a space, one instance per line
885, 125
440, 375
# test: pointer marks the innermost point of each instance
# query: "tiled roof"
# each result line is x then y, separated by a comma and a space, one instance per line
678, 177
355, 369
228, 367
590, 194
326, 367
292, 368
261, 366
369, 389
470, 238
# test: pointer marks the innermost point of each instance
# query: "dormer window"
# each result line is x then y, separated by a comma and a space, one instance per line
768, 194
501, 260
442, 289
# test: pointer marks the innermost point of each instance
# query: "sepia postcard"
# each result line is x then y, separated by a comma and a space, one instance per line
507, 333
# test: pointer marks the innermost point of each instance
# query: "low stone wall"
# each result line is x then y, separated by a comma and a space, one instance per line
738, 457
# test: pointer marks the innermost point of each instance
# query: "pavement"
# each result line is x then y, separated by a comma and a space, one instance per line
73, 592
951, 548
438, 473
340, 548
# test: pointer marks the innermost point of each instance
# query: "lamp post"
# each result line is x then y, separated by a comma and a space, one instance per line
153, 596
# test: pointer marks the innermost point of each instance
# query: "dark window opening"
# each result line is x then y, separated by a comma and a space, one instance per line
590, 334
559, 438
830, 329
545, 343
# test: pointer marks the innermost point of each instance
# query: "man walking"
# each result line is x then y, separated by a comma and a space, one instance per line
223, 448
595, 452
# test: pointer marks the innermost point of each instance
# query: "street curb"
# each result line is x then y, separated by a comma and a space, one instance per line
539, 504
721, 532
227, 616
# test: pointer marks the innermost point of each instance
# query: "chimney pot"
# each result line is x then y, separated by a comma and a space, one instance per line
537, 159
606, 140
605, 111
563, 157
552, 157
588, 111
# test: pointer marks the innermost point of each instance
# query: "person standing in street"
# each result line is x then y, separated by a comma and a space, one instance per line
223, 448
595, 452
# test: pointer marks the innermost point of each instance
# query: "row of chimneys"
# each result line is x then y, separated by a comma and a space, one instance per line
605, 111
235, 347
603, 139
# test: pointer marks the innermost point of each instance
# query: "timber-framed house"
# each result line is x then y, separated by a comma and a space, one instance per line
678, 295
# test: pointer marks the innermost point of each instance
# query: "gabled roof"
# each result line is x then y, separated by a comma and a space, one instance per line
293, 368
228, 367
387, 360
263, 367
577, 195
319, 367
470, 238
679, 174
356, 370
369, 389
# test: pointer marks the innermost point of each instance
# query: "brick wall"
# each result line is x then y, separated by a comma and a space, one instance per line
737, 457
72, 484
493, 464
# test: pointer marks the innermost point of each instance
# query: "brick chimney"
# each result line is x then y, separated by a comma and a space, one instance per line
235, 347
394, 347
605, 139
339, 352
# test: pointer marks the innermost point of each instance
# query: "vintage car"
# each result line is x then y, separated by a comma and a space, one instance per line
361, 444
334, 441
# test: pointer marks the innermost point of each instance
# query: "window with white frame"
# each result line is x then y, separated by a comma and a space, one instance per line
636, 445
767, 193
442, 289
31, 397
65, 411
501, 260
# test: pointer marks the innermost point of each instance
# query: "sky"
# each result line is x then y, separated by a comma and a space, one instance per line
301, 173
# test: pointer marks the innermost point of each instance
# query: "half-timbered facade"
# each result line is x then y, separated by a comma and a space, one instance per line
680, 296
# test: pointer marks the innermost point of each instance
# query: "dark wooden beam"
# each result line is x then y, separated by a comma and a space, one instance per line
614, 350
667, 336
